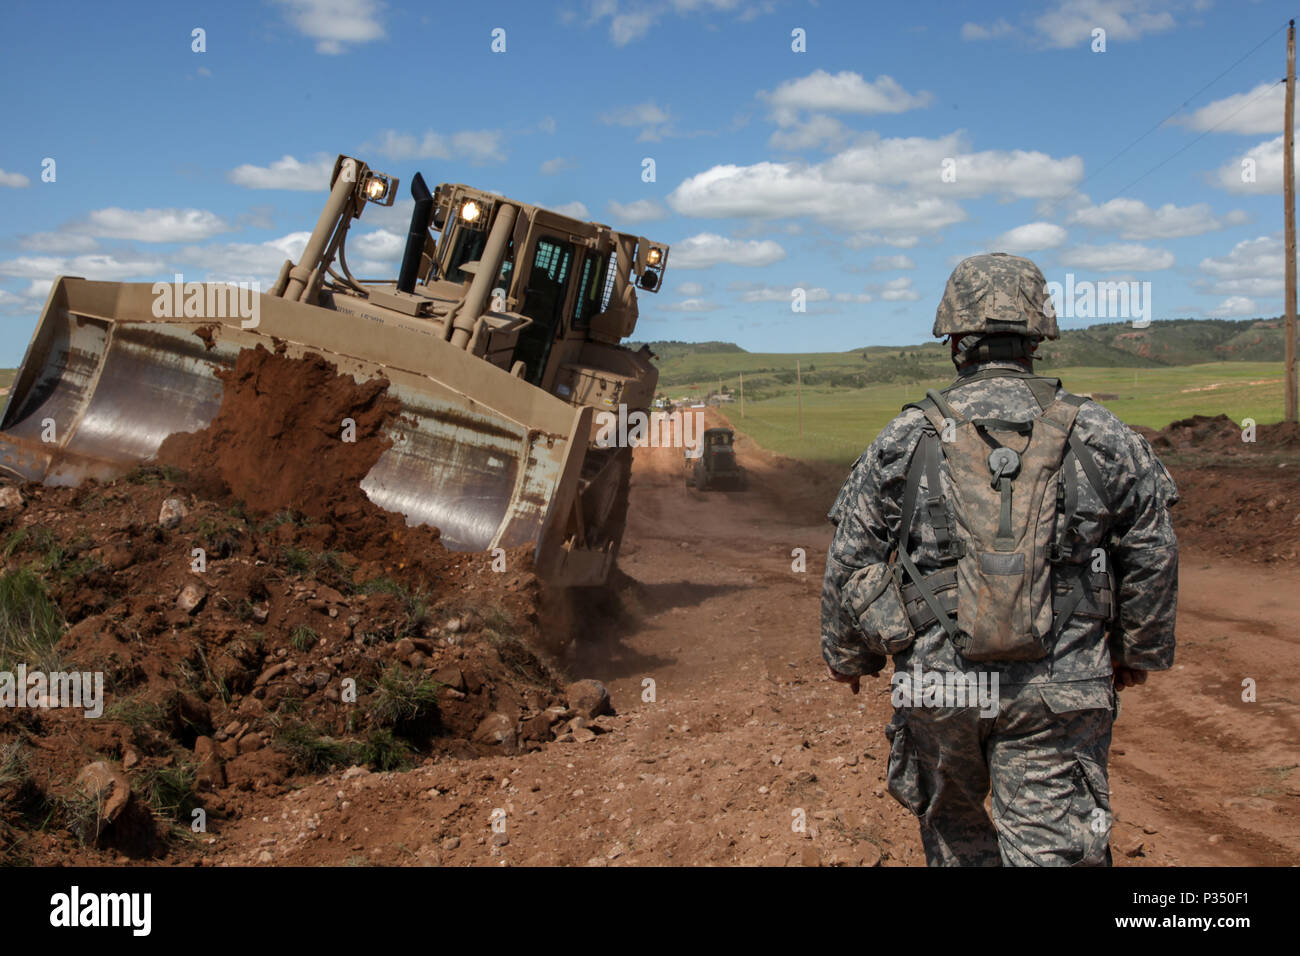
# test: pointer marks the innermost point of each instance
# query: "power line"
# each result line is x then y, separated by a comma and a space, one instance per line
1205, 133
1058, 200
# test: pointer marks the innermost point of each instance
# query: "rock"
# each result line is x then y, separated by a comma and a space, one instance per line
404, 648
353, 772
275, 670
265, 857
583, 734
10, 497
500, 839
451, 843
452, 626
1134, 848
211, 772
496, 729
536, 727
108, 786
171, 513
117, 556
191, 597
250, 742
450, 677
588, 698
327, 593
130, 758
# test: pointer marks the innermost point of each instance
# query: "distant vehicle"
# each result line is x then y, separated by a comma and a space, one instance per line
712, 462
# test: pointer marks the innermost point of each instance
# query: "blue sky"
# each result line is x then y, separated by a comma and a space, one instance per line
822, 170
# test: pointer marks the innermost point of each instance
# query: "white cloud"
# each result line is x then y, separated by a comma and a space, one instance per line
1253, 267
890, 263
709, 249
639, 210
575, 210
896, 290
476, 146
1134, 219
557, 165
245, 261
100, 266
335, 23
1265, 161
843, 92
1030, 237
976, 31
654, 120
817, 132
854, 297
379, 245
38, 289
863, 239
629, 23
57, 242
153, 225
648, 113
784, 293
1117, 257
691, 305
1235, 307
1071, 22
1260, 112
14, 180
285, 173
692, 289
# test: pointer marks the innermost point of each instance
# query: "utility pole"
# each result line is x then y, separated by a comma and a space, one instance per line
798, 391
1288, 201
742, 394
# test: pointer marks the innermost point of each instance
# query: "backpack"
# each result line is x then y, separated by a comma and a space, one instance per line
1011, 581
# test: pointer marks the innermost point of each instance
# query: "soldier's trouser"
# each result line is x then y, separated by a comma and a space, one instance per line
1044, 752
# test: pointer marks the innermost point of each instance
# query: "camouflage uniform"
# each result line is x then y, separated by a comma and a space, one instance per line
1045, 751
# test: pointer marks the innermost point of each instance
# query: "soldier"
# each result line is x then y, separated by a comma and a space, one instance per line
1033, 556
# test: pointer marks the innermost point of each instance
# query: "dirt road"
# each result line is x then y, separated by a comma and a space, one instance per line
731, 747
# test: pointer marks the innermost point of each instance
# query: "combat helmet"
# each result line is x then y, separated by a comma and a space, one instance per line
994, 293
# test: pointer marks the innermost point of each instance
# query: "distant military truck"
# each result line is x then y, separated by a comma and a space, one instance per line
712, 463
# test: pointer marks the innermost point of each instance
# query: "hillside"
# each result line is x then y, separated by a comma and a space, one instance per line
1169, 343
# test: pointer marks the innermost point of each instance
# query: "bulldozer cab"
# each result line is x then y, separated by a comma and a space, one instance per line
563, 275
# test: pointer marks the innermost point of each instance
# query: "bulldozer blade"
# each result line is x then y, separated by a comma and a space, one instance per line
481, 455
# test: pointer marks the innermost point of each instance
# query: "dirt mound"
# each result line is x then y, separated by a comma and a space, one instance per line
1238, 498
249, 635
290, 434
1220, 434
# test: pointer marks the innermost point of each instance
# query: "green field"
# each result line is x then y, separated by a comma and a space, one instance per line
838, 423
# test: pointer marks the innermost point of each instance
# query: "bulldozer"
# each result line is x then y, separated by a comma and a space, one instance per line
500, 338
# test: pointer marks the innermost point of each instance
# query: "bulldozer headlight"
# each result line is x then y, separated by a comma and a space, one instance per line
470, 211
379, 188
649, 280
654, 256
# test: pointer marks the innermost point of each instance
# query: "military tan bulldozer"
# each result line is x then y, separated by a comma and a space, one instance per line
500, 338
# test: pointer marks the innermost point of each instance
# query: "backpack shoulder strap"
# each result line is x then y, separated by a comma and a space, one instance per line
924, 458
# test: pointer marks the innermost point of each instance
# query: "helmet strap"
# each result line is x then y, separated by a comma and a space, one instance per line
993, 348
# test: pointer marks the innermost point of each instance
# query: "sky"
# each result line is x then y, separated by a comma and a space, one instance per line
838, 156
